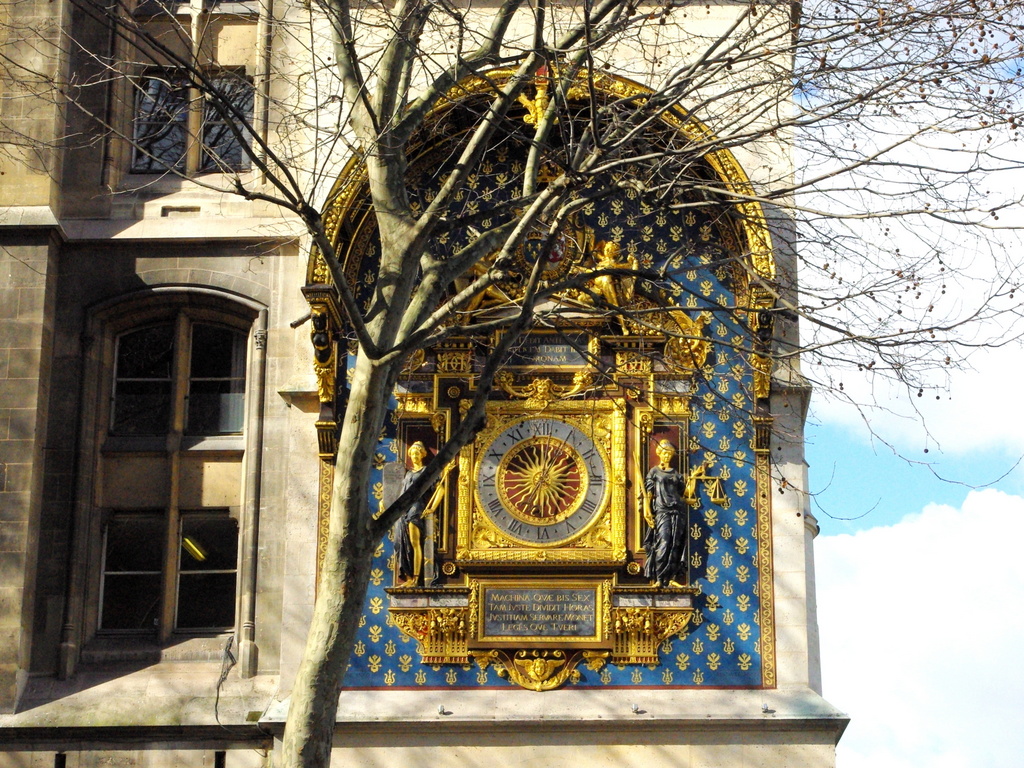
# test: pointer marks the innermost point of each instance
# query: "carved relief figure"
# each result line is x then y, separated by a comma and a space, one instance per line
616, 290
409, 530
665, 510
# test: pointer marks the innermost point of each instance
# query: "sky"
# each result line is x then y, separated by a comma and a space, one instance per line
920, 579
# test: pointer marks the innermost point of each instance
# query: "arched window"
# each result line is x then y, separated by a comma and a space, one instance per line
168, 499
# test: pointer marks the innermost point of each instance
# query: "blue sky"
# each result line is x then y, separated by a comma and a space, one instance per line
858, 483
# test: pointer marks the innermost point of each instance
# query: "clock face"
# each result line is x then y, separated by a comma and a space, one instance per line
541, 481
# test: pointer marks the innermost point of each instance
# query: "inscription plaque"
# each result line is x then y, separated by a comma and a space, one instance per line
540, 612
548, 350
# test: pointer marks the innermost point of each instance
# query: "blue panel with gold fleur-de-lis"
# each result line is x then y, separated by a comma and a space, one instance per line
689, 254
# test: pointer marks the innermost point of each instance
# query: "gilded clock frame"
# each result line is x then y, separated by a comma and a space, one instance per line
601, 542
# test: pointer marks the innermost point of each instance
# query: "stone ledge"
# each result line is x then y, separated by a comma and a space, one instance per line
598, 709
183, 229
142, 695
27, 216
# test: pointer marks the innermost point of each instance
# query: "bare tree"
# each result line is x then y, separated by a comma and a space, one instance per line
874, 135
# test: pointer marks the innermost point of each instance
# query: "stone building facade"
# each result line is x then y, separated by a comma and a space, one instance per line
160, 486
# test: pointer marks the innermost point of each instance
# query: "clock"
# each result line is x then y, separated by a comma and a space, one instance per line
542, 481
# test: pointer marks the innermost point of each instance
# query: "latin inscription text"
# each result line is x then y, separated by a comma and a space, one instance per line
540, 612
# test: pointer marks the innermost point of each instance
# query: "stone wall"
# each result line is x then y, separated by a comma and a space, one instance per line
28, 272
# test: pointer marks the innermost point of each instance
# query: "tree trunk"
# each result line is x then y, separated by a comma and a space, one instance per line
344, 575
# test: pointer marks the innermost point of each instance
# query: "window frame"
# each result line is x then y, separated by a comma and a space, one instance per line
194, 117
185, 516
180, 378
182, 306
187, 32
158, 516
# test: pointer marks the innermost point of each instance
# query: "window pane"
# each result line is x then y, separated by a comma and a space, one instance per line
131, 601
216, 402
224, 135
217, 352
146, 354
132, 581
214, 409
135, 543
209, 543
161, 125
142, 407
206, 601
142, 390
206, 582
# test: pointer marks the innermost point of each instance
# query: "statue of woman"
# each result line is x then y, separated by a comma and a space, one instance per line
409, 530
665, 510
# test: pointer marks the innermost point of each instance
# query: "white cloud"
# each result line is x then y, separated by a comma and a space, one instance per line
921, 625
970, 415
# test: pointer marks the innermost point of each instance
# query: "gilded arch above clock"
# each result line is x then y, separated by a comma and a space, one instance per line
347, 210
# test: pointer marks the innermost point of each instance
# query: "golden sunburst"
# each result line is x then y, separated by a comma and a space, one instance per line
542, 479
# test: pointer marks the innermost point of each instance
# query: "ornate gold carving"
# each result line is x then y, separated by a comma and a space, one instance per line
442, 632
536, 106
454, 361
445, 642
417, 404
672, 623
324, 358
347, 197
540, 670
325, 486
567, 252
640, 630
722, 161
672, 405
454, 392
439, 423
485, 537
540, 393
344, 201
606, 609
415, 624
415, 361
761, 298
634, 636
762, 375
542, 477
686, 347
646, 426
612, 291
766, 594
600, 537
601, 542
632, 363
624, 634
762, 434
318, 273
327, 438
712, 486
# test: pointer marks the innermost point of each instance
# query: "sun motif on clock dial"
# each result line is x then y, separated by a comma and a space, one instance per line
541, 481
